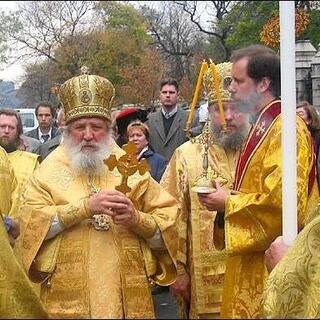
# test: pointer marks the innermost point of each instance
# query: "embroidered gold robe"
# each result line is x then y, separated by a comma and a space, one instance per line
8, 183
197, 253
24, 164
253, 217
87, 273
293, 287
17, 298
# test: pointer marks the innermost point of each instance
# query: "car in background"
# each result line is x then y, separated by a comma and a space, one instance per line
28, 118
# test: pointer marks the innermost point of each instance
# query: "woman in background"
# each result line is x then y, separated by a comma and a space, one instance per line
312, 119
138, 132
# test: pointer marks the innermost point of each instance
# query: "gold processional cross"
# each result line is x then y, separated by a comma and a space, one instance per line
127, 165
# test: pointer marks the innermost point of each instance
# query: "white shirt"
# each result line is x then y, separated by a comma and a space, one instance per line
169, 114
142, 152
41, 134
155, 242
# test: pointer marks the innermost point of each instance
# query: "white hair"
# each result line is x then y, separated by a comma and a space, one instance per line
90, 162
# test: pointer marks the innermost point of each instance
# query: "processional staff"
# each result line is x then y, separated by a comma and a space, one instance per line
217, 81
288, 116
204, 67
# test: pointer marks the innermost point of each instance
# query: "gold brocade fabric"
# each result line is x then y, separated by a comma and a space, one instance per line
253, 219
88, 273
293, 287
17, 298
24, 164
8, 183
197, 251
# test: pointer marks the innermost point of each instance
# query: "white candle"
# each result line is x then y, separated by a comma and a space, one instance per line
288, 111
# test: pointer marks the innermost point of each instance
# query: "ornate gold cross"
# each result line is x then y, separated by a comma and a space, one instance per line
127, 165
261, 128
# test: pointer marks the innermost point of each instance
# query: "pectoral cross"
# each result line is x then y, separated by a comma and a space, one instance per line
127, 165
261, 128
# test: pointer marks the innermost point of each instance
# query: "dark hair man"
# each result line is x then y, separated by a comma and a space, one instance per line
46, 130
167, 124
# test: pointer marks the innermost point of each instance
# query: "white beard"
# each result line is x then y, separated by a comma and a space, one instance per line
91, 162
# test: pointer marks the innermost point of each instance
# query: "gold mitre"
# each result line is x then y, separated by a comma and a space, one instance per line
223, 79
86, 96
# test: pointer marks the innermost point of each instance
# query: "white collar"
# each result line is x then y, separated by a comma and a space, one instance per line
41, 134
142, 152
167, 114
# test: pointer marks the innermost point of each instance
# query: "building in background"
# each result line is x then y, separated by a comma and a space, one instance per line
308, 72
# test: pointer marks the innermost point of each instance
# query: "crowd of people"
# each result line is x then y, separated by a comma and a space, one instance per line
89, 233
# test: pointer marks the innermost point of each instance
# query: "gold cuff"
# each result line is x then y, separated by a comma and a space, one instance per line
73, 214
146, 226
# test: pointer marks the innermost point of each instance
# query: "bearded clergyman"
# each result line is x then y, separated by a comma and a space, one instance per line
201, 261
95, 250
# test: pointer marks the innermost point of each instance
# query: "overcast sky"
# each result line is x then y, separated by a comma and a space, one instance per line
8, 72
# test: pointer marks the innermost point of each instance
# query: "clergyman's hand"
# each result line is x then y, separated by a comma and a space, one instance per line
214, 201
115, 204
13, 229
275, 253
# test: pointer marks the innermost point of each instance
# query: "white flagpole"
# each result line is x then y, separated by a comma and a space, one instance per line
288, 112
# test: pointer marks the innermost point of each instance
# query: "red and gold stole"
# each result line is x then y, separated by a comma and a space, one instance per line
261, 128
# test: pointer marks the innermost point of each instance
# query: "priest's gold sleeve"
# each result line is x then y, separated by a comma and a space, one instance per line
293, 288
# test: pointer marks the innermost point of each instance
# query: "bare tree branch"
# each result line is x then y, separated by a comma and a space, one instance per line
47, 24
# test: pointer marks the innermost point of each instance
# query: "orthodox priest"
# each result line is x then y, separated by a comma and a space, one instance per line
95, 250
17, 297
201, 262
252, 213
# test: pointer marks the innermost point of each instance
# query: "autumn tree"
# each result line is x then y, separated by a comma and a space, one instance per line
247, 18
45, 25
117, 48
141, 85
216, 32
37, 85
175, 36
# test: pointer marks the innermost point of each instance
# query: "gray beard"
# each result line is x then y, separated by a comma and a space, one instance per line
229, 141
248, 105
88, 163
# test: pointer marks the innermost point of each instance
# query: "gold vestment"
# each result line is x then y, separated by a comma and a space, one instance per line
24, 164
197, 253
8, 183
87, 273
293, 287
17, 298
253, 217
